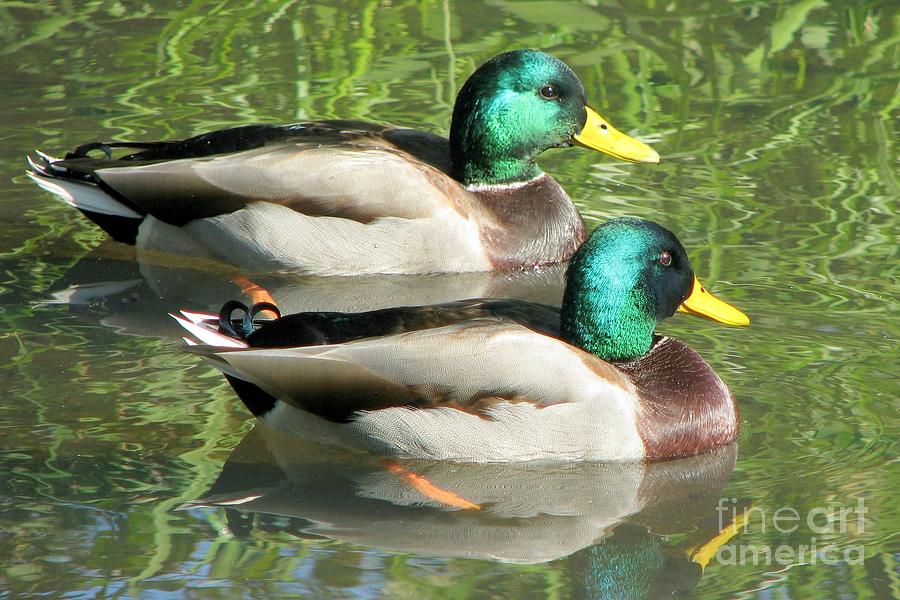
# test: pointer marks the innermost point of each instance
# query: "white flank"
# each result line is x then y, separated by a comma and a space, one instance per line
574, 406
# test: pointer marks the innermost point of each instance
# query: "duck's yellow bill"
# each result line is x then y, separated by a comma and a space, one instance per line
598, 134
704, 304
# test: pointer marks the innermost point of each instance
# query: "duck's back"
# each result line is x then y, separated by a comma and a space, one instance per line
351, 169
320, 328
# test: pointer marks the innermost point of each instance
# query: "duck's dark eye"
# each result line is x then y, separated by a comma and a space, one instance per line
665, 258
549, 92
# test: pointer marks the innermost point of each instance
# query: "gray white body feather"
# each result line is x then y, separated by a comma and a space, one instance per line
462, 407
484, 390
325, 199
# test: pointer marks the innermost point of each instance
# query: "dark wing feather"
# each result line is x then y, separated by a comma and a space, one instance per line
315, 328
160, 179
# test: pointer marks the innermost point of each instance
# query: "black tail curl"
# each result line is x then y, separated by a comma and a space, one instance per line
242, 326
84, 150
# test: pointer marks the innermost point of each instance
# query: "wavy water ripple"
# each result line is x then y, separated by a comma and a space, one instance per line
777, 127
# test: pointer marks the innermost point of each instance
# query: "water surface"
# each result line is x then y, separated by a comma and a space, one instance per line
777, 126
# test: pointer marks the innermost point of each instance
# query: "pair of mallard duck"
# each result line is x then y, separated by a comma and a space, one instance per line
481, 380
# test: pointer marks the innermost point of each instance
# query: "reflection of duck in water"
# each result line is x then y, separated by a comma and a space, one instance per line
133, 296
491, 381
602, 522
634, 563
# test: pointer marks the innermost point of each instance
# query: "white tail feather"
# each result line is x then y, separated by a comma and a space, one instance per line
208, 336
196, 317
44, 156
82, 196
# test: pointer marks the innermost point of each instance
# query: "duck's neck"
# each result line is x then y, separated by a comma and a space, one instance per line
609, 322
486, 152
477, 170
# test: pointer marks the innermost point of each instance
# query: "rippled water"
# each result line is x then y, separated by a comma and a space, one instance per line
777, 126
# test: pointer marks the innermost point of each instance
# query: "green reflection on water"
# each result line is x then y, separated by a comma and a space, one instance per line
777, 126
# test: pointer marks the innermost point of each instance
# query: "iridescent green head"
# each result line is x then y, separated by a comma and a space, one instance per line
519, 104
629, 275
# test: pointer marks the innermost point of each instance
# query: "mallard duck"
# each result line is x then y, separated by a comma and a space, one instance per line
349, 197
498, 380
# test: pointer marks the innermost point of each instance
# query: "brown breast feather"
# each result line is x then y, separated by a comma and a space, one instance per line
530, 225
684, 408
